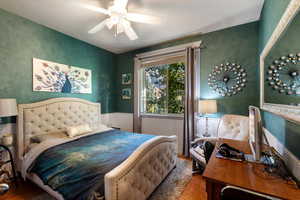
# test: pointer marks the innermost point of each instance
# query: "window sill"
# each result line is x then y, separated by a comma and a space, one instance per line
174, 116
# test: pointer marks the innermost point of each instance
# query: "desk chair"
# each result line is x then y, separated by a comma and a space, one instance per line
235, 127
237, 193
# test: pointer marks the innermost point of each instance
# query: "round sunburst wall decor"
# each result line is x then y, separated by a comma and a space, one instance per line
227, 79
284, 74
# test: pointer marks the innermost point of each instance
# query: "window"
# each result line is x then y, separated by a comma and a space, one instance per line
163, 89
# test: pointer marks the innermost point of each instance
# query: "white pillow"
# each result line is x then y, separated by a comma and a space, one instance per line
74, 131
48, 136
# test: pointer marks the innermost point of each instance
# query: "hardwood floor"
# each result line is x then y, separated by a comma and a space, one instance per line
194, 190
22, 191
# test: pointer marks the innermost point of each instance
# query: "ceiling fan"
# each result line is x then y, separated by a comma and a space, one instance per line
119, 19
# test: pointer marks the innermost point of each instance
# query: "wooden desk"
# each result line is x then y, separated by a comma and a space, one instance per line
221, 172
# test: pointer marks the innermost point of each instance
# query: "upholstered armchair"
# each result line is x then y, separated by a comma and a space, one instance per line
234, 127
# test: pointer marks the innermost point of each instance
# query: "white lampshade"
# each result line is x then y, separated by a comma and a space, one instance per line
8, 107
207, 106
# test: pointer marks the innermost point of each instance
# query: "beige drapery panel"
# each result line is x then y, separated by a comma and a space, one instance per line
191, 91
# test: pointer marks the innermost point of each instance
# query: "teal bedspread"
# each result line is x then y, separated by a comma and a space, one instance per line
76, 169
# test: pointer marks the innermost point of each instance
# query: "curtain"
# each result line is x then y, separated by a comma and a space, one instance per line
191, 91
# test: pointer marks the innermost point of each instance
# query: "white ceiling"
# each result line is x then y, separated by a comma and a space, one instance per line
178, 18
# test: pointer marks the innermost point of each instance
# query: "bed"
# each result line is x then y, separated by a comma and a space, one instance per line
135, 177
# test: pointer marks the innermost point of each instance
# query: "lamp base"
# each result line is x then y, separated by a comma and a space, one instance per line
206, 134
3, 188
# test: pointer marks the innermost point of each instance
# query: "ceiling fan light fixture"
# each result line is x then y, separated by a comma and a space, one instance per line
119, 19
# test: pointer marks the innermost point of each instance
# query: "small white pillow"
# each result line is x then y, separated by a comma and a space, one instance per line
74, 131
48, 136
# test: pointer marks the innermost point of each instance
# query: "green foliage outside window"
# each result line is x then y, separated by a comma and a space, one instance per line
164, 89
176, 76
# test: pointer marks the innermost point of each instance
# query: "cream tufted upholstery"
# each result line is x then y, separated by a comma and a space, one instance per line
52, 116
141, 178
234, 127
56, 117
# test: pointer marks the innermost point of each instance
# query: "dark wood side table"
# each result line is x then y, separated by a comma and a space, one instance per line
250, 176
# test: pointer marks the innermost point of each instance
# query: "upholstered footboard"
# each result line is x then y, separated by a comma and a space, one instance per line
138, 176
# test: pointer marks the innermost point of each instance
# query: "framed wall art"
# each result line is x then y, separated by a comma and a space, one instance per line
126, 93
126, 79
54, 77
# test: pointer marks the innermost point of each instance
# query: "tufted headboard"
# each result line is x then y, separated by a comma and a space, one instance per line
51, 116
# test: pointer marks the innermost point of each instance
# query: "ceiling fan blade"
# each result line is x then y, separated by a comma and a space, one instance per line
140, 18
96, 9
121, 3
98, 27
129, 30
131, 33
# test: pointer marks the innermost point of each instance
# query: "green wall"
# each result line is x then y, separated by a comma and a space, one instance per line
125, 64
21, 40
221, 46
270, 16
288, 43
287, 132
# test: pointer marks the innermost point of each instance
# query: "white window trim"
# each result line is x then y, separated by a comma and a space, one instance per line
161, 116
169, 50
138, 60
142, 111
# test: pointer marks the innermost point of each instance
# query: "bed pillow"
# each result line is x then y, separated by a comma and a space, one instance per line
74, 131
48, 136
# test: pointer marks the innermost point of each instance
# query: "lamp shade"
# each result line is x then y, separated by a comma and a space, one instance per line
8, 107
207, 106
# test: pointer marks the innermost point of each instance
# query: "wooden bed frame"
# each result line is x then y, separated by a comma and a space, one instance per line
135, 178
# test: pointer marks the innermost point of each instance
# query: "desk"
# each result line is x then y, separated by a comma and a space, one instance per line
221, 172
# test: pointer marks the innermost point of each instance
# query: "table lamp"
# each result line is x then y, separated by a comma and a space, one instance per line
8, 108
207, 107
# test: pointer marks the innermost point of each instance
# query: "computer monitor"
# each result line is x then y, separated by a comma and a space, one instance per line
255, 134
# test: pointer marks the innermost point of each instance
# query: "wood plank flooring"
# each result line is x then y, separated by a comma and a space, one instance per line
194, 190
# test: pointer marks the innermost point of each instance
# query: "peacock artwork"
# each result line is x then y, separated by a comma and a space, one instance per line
54, 77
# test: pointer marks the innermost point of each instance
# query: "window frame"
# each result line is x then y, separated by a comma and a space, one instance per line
142, 104
147, 57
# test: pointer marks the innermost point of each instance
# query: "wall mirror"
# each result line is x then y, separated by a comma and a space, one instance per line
280, 67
